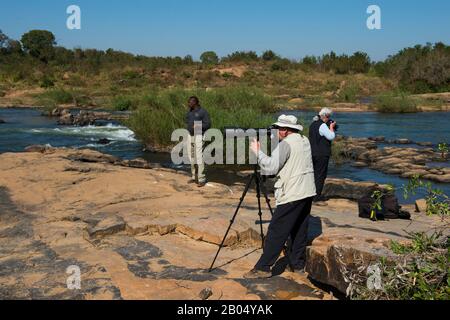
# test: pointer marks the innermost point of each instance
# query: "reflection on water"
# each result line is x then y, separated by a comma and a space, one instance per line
25, 127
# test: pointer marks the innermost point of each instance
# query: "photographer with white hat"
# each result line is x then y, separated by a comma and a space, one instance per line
291, 162
322, 132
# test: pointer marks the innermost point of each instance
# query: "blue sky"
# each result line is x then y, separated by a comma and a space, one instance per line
293, 28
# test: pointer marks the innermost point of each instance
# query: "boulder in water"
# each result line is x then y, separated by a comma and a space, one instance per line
377, 139
2, 121
403, 141
66, 120
425, 144
104, 141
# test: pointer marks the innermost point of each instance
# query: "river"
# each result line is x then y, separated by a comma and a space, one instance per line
26, 127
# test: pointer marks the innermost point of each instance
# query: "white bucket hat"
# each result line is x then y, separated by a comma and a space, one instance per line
285, 121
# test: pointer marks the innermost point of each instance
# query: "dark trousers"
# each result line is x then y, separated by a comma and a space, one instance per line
320, 173
289, 220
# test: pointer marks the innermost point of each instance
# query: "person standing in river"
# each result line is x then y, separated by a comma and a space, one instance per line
321, 135
197, 122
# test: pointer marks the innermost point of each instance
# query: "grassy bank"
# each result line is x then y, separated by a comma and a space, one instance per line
403, 102
397, 102
158, 114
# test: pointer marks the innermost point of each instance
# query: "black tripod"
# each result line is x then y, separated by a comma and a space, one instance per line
257, 178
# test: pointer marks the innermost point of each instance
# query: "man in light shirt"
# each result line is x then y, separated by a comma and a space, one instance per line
294, 191
321, 135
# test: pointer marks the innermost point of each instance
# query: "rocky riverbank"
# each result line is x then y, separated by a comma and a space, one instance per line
81, 118
405, 162
137, 231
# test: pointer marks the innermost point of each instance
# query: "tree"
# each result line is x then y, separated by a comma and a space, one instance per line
39, 44
3, 39
269, 55
281, 65
8, 45
13, 46
188, 59
360, 62
309, 61
242, 56
209, 57
420, 69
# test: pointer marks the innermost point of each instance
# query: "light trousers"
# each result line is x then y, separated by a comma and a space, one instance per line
195, 151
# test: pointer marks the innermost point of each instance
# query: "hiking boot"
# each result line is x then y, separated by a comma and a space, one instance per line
257, 274
201, 184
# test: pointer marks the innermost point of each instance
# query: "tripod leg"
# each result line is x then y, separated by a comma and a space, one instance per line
258, 196
247, 187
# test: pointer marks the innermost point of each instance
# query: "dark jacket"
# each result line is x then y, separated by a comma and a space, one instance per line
198, 114
320, 146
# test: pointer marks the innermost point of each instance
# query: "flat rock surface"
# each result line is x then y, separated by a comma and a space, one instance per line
147, 234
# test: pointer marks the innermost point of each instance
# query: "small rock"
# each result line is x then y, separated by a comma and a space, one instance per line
377, 139
444, 178
403, 141
64, 112
359, 164
205, 294
421, 205
104, 141
425, 144
2, 121
66, 120
58, 112
138, 163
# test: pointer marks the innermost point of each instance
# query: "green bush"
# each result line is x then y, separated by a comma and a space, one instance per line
315, 102
419, 69
269, 55
159, 114
47, 83
241, 56
209, 57
80, 98
395, 102
349, 93
58, 96
420, 272
124, 103
281, 65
